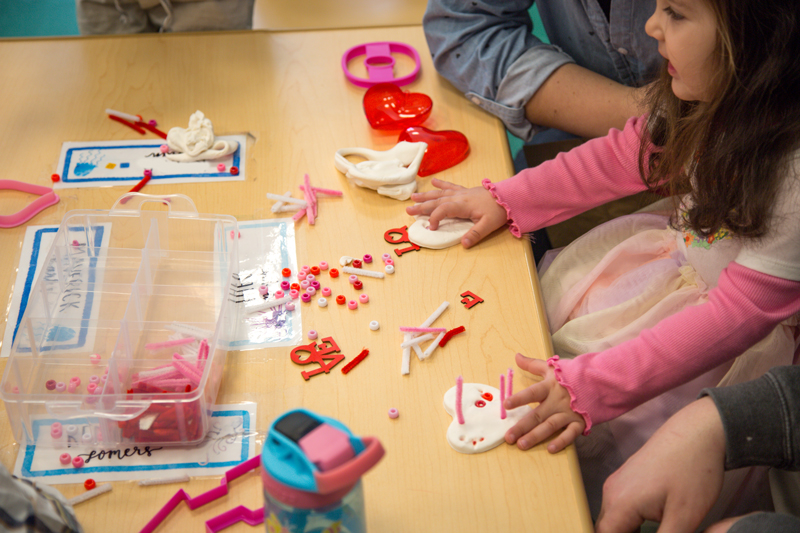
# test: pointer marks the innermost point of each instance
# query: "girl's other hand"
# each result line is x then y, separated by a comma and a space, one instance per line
454, 201
551, 415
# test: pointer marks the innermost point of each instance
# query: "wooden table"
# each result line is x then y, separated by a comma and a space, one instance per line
287, 91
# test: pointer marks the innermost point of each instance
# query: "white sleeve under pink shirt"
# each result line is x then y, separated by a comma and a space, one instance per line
756, 292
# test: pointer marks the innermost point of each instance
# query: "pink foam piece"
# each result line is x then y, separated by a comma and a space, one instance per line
251, 517
204, 498
327, 447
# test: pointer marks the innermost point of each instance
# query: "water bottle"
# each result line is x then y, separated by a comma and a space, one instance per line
311, 469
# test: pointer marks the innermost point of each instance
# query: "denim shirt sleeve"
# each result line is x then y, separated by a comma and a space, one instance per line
487, 51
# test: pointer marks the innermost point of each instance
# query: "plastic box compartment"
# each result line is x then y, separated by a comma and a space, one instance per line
151, 276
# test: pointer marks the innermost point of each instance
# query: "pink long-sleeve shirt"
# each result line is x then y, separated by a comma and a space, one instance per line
742, 309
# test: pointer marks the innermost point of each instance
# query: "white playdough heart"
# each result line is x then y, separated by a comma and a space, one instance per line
448, 233
483, 429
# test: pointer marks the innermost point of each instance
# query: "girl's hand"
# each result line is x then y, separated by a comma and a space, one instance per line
552, 414
454, 201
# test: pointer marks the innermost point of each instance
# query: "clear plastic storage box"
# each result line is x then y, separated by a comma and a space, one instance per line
123, 338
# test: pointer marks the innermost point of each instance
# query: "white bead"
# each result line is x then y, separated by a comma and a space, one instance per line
322, 302
374, 325
389, 269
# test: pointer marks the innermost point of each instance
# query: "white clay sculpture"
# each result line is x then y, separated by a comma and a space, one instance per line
197, 142
449, 232
392, 173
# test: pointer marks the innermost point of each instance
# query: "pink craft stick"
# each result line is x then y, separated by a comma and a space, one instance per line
204, 498
502, 396
422, 330
459, 411
510, 382
237, 514
167, 344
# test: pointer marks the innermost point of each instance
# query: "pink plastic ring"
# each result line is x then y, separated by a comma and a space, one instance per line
164, 148
312, 334
326, 291
221, 167
367, 258
393, 413
65, 458
379, 63
305, 297
352, 304
72, 387
94, 358
77, 461
323, 265
305, 268
363, 298
94, 379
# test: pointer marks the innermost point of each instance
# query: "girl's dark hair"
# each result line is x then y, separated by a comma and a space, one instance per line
732, 153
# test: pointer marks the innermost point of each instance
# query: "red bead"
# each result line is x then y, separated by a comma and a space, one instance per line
89, 484
357, 285
55, 178
295, 286
341, 299
356, 263
334, 273
287, 272
234, 171
315, 270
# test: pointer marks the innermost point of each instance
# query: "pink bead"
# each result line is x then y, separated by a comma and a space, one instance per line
71, 387
55, 430
94, 379
389, 261
76, 243
294, 293
312, 335
363, 298
302, 275
221, 167
311, 290
316, 284
386, 257
91, 387
65, 458
326, 291
305, 284
310, 277
323, 265
352, 304
152, 122
353, 278
61, 386
278, 294
393, 413
94, 358
164, 148
367, 258
290, 306
148, 173
285, 285
77, 461
305, 268
305, 297
262, 290
75, 379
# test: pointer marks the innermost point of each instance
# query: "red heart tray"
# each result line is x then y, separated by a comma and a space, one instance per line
445, 148
389, 108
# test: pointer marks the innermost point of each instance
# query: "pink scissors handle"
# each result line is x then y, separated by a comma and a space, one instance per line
380, 63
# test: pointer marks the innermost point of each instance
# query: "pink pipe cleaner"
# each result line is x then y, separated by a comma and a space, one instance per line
422, 330
459, 387
502, 396
510, 382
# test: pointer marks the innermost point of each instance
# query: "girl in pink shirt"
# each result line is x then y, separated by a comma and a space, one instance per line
648, 309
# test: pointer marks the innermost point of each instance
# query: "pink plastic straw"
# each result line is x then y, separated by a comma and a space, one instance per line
237, 514
459, 387
502, 397
167, 344
510, 382
422, 330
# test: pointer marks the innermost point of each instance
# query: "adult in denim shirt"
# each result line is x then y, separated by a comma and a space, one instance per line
582, 83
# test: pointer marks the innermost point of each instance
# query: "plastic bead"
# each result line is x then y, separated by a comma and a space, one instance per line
295, 286
315, 270
312, 335
322, 302
152, 122
279, 294
61, 386
390, 261
357, 285
221, 167
55, 178
77, 461
148, 173
55, 430
305, 284
353, 278
234, 171
72, 429
72, 387
50, 384
91, 387
374, 325
86, 438
341, 300
164, 148
367, 258
352, 304
389, 269
305, 297
89, 484
286, 272
310, 277
326, 291
393, 413
290, 306
75, 243
363, 298
386, 257
316, 284
356, 263
262, 290
301, 275
94, 358
323, 265
334, 273
65, 458
285, 285
305, 268
294, 293
94, 379
75, 379
311, 290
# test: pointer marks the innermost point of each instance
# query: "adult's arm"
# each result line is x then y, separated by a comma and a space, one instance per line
487, 51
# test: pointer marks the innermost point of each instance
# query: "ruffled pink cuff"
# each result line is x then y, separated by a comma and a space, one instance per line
513, 227
553, 362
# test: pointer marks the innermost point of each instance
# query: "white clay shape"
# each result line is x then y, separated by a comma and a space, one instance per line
197, 142
483, 429
449, 232
392, 173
